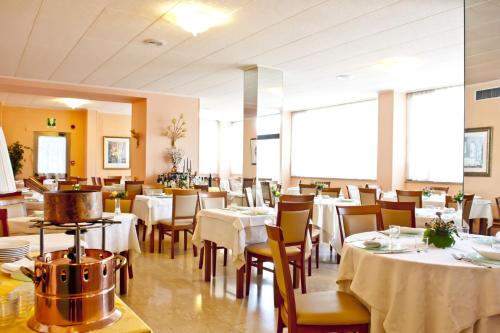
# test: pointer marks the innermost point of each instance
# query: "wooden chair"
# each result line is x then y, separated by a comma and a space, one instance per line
368, 196
234, 185
308, 189
247, 182
111, 181
93, 180
444, 189
357, 219
79, 180
14, 207
4, 227
314, 230
108, 203
17, 195
267, 194
327, 184
99, 181
327, 311
247, 191
332, 192
95, 188
33, 184
202, 188
133, 187
410, 196
211, 200
293, 218
66, 185
353, 192
496, 221
184, 207
397, 213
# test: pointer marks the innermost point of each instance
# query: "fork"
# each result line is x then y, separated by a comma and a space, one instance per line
471, 261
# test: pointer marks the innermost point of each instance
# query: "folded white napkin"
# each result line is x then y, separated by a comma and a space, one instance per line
16, 265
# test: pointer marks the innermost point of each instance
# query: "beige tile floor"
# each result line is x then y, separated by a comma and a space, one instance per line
171, 295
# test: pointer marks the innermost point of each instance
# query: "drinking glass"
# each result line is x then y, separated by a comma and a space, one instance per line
394, 231
425, 244
464, 231
495, 242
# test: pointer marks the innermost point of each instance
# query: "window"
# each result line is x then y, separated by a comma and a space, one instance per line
235, 147
209, 147
336, 142
269, 146
51, 154
435, 131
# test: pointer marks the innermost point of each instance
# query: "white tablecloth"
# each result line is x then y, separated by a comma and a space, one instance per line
151, 209
435, 200
119, 237
114, 187
422, 292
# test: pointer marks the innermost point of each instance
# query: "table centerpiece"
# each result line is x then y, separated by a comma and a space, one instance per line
440, 233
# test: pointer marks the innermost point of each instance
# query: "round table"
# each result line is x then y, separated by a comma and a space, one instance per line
422, 291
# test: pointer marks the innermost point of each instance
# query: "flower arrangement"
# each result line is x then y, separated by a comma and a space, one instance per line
176, 130
76, 187
183, 183
459, 197
426, 192
175, 156
440, 233
118, 195
276, 193
319, 185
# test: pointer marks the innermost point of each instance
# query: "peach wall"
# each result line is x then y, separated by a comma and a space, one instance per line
485, 113
20, 123
106, 124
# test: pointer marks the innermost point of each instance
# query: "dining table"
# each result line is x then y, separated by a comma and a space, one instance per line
413, 288
234, 228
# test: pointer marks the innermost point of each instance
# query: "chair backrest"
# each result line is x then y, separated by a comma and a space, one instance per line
133, 188
17, 195
203, 188
99, 181
297, 198
109, 203
93, 180
33, 184
368, 196
248, 196
467, 206
332, 192
308, 189
79, 180
111, 181
293, 219
410, 196
375, 186
247, 182
444, 189
267, 194
327, 184
152, 189
397, 213
235, 185
286, 297
357, 219
14, 207
95, 188
353, 192
184, 204
4, 227
212, 200
66, 185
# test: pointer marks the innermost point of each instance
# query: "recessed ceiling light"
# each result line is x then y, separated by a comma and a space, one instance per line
152, 42
397, 63
73, 102
196, 17
343, 76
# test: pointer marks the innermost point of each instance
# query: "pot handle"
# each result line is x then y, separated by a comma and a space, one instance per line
120, 261
29, 273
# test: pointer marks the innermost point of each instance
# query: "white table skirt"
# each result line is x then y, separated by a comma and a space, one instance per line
119, 237
422, 292
152, 209
234, 230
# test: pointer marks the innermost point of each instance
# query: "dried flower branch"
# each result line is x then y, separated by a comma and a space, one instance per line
176, 129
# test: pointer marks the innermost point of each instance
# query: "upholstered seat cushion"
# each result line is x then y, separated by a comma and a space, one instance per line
263, 249
177, 222
330, 308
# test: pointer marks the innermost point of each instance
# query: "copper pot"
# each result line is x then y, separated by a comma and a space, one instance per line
72, 206
70, 294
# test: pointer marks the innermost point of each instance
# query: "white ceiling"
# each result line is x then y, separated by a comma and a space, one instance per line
99, 42
50, 102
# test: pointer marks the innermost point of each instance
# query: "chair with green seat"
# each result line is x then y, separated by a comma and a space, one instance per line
327, 311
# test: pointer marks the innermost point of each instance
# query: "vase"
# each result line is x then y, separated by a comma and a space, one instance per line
441, 238
118, 209
459, 221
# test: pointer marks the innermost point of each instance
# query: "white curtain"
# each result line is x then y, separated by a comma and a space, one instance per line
51, 154
209, 147
336, 142
435, 124
7, 182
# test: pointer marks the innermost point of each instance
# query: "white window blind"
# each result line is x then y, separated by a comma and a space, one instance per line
336, 142
209, 146
235, 147
51, 155
435, 131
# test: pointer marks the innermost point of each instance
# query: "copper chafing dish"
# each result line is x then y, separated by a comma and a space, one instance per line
61, 207
74, 288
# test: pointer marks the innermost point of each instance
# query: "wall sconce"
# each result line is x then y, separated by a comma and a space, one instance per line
136, 136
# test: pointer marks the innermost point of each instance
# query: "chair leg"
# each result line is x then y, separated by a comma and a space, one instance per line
337, 257
144, 227
275, 291
309, 264
295, 276
248, 272
195, 251
185, 240
260, 268
160, 238
317, 256
172, 244
225, 257
200, 262
331, 249
214, 259
280, 325
303, 275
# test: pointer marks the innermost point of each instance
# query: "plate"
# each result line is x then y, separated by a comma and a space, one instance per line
384, 249
6, 243
407, 231
488, 253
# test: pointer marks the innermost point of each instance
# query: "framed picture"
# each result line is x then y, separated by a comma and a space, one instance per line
116, 152
477, 151
253, 151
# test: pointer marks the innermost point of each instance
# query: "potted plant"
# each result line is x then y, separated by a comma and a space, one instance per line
440, 233
426, 192
16, 155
